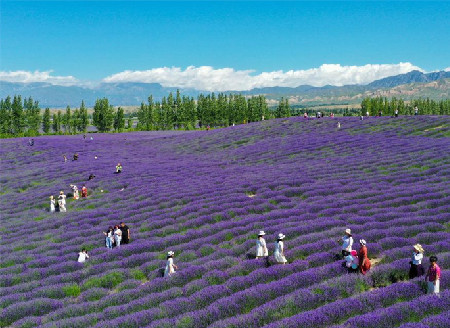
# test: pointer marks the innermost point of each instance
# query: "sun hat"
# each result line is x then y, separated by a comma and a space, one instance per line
362, 242
348, 231
261, 233
170, 253
419, 248
281, 236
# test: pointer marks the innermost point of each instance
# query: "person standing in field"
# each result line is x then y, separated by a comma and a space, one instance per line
339, 125
396, 113
416, 111
261, 247
117, 235
416, 268
125, 233
118, 168
62, 202
74, 188
347, 243
82, 256
279, 249
364, 262
433, 276
52, 204
367, 114
84, 191
305, 115
170, 266
109, 237
65, 158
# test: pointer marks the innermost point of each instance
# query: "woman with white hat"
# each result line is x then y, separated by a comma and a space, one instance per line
416, 269
74, 188
364, 262
170, 267
52, 204
347, 243
261, 247
279, 249
62, 202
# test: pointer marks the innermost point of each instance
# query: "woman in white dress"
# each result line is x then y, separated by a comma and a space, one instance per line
62, 202
52, 204
74, 188
279, 250
261, 247
82, 256
117, 235
170, 266
347, 243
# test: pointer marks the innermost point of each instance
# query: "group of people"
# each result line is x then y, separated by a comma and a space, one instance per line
60, 206
117, 235
263, 252
359, 261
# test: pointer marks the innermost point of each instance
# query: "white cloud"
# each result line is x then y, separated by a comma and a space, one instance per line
228, 79
223, 79
37, 76
447, 69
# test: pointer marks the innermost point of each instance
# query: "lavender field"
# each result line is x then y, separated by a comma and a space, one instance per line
205, 195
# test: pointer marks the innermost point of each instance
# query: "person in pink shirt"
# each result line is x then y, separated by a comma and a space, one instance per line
433, 276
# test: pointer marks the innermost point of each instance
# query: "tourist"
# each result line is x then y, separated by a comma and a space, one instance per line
433, 276
125, 233
74, 188
83, 255
62, 202
65, 158
84, 136
361, 118
109, 237
367, 114
279, 249
416, 111
305, 115
364, 262
416, 268
170, 266
75, 156
52, 204
84, 191
352, 262
31, 142
396, 113
118, 168
339, 125
91, 176
261, 247
117, 235
347, 243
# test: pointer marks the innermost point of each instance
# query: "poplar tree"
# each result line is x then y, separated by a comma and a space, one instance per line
103, 116
46, 121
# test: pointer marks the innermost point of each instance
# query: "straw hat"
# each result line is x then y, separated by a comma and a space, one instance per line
419, 248
261, 233
61, 192
170, 253
281, 236
362, 242
348, 231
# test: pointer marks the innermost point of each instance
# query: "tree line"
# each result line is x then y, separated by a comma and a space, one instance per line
386, 106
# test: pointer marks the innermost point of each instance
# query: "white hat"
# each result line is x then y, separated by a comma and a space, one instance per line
261, 233
348, 231
281, 236
170, 253
362, 242
419, 248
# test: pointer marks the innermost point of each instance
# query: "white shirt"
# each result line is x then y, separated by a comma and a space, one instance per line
82, 257
261, 247
417, 258
169, 268
279, 247
347, 243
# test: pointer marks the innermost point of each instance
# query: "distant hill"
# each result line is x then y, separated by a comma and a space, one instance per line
410, 85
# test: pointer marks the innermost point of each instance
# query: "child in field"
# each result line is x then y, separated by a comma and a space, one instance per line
170, 266
351, 261
433, 276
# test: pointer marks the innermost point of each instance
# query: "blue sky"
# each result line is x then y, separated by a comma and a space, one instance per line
91, 41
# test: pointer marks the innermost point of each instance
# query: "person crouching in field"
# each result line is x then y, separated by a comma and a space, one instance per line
170, 266
82, 256
118, 168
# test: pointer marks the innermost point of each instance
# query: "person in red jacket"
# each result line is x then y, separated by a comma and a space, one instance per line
84, 192
364, 262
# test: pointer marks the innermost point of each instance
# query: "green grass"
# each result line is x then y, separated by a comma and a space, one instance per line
109, 280
72, 290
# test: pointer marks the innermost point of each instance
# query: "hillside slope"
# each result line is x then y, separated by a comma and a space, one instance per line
205, 195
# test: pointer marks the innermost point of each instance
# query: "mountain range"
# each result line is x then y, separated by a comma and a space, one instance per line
414, 84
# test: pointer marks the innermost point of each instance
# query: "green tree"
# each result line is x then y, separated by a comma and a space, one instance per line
66, 120
32, 116
119, 120
103, 116
83, 119
18, 122
46, 121
6, 116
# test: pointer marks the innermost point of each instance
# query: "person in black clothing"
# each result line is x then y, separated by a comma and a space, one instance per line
125, 233
31, 142
91, 176
75, 156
